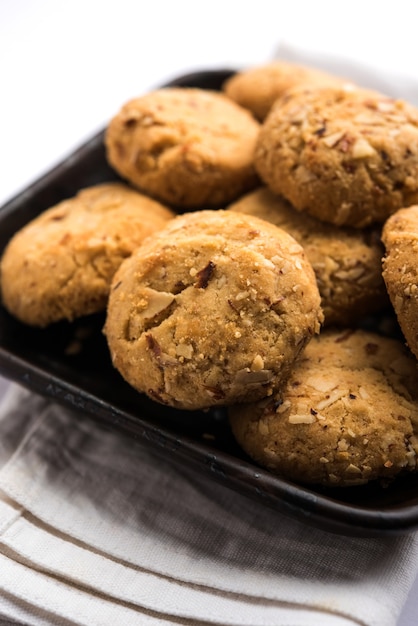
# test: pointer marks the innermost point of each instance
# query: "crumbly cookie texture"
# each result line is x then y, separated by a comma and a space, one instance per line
190, 148
212, 310
348, 414
400, 270
346, 261
257, 88
346, 156
60, 265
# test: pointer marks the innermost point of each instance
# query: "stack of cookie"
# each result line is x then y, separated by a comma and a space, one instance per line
282, 183
338, 162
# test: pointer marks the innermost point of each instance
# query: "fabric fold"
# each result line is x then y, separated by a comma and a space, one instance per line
363, 73
91, 509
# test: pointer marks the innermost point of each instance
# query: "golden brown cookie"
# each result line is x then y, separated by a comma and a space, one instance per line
190, 148
60, 265
348, 414
346, 261
400, 270
212, 310
345, 156
257, 88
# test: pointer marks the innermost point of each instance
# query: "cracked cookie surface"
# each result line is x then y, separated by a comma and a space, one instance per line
60, 265
347, 415
190, 148
400, 270
346, 261
212, 310
345, 156
257, 88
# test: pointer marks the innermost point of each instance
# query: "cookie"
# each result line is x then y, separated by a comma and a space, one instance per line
190, 148
345, 156
60, 265
348, 414
257, 88
346, 261
212, 310
400, 270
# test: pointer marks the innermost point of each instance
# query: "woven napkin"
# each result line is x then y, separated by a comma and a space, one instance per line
365, 73
96, 529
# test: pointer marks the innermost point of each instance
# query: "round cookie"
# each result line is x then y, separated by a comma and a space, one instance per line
60, 265
190, 148
212, 310
400, 270
346, 261
345, 156
257, 88
347, 415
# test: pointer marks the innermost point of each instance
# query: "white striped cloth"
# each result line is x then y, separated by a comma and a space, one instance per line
95, 530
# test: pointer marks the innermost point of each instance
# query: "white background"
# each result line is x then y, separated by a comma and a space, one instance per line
66, 67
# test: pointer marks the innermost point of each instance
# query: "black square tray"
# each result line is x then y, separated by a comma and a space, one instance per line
44, 361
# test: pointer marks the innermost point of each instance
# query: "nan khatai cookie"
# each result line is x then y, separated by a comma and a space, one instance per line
347, 415
60, 265
400, 270
345, 156
190, 148
257, 88
212, 310
346, 261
